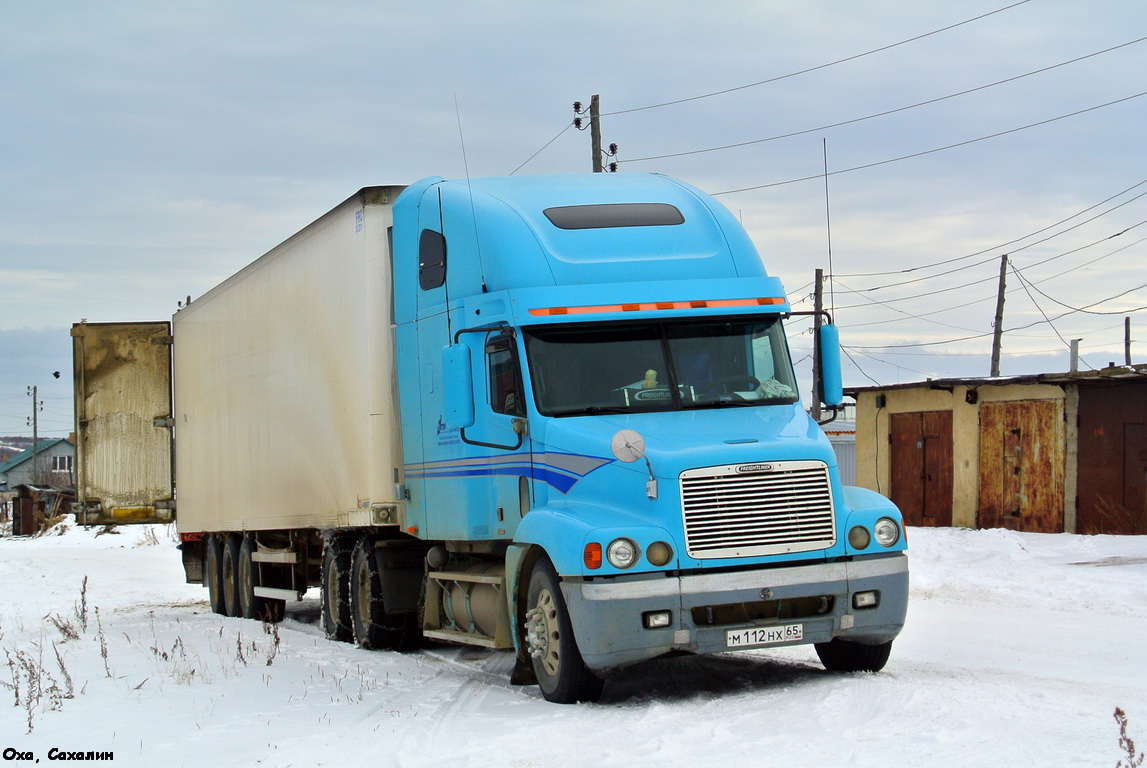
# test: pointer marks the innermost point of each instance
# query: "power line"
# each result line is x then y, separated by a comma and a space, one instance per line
1012, 252
989, 279
1089, 245
884, 362
544, 146
907, 315
1001, 246
1039, 308
1046, 320
935, 150
881, 114
862, 371
1086, 263
816, 68
1083, 309
966, 304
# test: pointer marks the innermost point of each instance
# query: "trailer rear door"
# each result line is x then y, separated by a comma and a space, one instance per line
122, 377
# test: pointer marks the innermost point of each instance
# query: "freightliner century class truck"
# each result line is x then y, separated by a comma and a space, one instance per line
551, 415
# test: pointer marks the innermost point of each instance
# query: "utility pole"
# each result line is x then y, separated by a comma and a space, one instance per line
817, 307
34, 423
595, 134
1127, 340
595, 131
1074, 364
998, 333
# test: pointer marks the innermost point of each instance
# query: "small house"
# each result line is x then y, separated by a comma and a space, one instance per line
51, 463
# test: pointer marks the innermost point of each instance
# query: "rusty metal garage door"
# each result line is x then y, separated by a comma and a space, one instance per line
922, 466
1113, 459
1021, 466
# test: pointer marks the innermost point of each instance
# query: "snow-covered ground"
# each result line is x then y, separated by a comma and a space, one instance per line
1018, 649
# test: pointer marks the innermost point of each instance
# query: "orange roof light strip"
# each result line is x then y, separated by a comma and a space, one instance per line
649, 306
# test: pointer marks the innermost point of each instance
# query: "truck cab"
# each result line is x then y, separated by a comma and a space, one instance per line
600, 420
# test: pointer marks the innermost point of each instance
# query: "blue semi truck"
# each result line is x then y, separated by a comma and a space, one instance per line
553, 415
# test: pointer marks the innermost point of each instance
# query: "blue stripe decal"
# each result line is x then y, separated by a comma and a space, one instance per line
559, 470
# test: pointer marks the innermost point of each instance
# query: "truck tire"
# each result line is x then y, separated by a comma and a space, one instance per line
561, 672
231, 575
250, 606
337, 554
374, 627
213, 573
846, 656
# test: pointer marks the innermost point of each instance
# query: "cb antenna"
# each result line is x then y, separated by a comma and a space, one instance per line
470, 191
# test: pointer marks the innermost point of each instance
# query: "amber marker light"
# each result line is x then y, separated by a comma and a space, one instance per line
592, 555
650, 306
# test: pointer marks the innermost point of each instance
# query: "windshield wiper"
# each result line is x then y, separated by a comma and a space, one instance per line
592, 410
725, 404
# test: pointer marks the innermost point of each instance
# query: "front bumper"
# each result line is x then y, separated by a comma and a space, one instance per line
608, 624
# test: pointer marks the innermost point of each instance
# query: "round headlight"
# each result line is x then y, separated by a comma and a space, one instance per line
621, 553
858, 537
887, 532
659, 553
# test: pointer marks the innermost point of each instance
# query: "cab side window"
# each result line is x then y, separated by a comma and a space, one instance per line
505, 378
431, 259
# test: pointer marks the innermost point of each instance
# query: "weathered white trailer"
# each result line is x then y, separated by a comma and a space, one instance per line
122, 380
286, 415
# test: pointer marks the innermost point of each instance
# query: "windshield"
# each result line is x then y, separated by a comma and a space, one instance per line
673, 365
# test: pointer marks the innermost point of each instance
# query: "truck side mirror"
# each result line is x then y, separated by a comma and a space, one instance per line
458, 386
830, 386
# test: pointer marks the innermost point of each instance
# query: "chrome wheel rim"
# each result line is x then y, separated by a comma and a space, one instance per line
543, 635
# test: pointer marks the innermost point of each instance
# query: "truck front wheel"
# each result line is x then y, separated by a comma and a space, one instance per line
847, 656
561, 672
374, 626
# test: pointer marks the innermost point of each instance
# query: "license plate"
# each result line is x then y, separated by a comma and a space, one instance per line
743, 638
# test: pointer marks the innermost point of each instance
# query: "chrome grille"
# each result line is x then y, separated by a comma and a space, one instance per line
743, 510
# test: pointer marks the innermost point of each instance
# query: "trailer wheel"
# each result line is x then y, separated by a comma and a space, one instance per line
561, 672
250, 606
374, 627
337, 553
213, 573
231, 575
847, 656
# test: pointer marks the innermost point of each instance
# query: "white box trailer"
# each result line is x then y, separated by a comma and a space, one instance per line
286, 412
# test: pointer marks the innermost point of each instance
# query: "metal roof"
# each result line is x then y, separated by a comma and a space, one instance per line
27, 454
1103, 375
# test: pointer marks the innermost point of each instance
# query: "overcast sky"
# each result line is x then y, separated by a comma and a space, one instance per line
149, 150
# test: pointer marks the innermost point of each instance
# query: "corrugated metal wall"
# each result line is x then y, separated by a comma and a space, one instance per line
842, 435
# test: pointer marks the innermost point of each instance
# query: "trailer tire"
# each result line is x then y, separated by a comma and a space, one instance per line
374, 627
230, 579
562, 674
848, 656
251, 606
213, 573
337, 554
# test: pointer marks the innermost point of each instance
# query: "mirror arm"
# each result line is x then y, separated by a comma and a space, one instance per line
834, 411
811, 312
